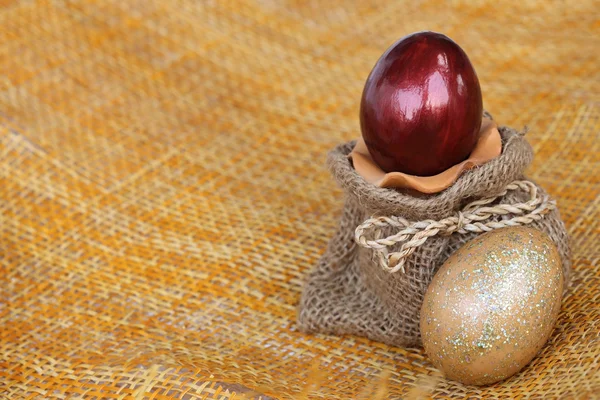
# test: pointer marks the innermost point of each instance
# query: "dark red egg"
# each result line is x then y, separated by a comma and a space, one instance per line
421, 107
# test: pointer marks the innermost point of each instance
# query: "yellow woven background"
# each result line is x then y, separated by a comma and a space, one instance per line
163, 189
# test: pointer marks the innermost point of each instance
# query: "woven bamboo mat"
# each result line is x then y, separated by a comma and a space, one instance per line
163, 189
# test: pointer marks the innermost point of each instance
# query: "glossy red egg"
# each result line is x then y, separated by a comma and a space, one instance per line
421, 107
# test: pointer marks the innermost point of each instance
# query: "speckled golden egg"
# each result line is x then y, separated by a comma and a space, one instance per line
492, 305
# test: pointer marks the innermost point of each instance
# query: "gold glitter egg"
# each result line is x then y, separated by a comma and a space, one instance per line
492, 306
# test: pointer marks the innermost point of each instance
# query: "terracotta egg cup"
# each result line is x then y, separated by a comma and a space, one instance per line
488, 147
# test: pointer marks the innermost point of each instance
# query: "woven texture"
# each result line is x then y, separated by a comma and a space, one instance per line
163, 189
349, 292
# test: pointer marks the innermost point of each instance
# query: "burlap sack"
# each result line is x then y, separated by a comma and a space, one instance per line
350, 293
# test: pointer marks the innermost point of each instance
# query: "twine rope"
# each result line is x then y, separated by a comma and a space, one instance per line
474, 217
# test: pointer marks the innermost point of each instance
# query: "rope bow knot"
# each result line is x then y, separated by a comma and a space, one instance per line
474, 217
